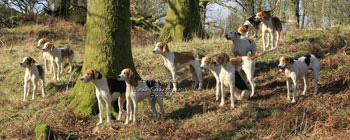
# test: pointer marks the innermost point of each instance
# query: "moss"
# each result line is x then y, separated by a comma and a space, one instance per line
182, 22
107, 49
42, 132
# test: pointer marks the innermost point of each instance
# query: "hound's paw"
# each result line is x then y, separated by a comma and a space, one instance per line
293, 101
98, 123
221, 105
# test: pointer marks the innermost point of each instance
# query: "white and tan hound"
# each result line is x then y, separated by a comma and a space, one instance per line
136, 91
240, 47
174, 61
107, 90
215, 69
229, 77
296, 69
248, 25
245, 63
47, 57
34, 73
59, 56
271, 25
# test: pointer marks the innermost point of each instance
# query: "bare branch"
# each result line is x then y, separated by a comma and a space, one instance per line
224, 5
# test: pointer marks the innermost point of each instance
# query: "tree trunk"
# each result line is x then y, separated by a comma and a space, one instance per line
294, 11
249, 4
203, 18
107, 49
182, 21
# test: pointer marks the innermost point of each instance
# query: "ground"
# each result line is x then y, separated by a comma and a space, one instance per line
189, 115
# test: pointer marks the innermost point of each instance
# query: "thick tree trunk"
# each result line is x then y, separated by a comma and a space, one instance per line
182, 21
107, 49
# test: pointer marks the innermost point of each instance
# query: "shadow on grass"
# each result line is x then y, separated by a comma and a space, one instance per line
263, 67
188, 111
60, 86
334, 87
261, 96
239, 133
208, 83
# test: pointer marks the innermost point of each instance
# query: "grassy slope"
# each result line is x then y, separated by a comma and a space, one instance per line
191, 114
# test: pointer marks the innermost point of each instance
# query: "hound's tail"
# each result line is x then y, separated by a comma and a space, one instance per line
275, 6
198, 56
262, 53
288, 21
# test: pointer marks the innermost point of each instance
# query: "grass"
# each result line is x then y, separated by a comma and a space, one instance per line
191, 114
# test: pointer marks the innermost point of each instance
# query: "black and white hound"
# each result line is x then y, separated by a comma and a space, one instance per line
107, 90
296, 69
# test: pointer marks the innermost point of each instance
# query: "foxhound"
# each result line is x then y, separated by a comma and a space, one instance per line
245, 63
248, 25
174, 61
136, 91
240, 47
215, 69
46, 55
107, 90
34, 73
59, 56
272, 25
229, 79
295, 69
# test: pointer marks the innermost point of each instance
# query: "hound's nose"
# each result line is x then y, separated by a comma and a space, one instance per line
154, 51
280, 67
43, 49
81, 79
118, 77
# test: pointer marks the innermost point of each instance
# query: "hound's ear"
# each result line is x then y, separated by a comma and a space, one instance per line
290, 60
215, 63
264, 15
132, 78
226, 59
131, 74
239, 34
51, 46
223, 58
246, 26
165, 47
211, 61
97, 75
31, 61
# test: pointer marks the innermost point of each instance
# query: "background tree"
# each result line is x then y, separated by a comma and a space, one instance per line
107, 48
182, 22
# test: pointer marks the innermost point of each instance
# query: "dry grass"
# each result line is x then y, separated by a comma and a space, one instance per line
191, 114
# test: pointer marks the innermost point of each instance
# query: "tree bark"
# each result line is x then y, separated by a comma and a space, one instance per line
182, 21
107, 49
294, 11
